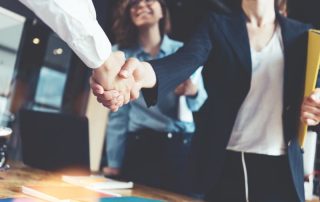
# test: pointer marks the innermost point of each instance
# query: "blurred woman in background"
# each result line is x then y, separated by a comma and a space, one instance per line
151, 146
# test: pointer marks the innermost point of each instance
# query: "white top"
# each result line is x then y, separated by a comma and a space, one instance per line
258, 127
75, 22
184, 112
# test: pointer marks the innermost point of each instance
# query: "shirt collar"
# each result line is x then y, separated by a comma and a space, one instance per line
164, 47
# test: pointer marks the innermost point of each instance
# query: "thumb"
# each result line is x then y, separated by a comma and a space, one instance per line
129, 67
135, 91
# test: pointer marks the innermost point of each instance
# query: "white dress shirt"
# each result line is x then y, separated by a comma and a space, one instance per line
75, 22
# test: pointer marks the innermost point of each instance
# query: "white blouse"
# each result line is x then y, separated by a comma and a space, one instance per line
258, 127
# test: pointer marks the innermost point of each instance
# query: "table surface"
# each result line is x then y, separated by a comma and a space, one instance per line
21, 175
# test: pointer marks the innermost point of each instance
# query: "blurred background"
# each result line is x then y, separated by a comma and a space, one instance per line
38, 71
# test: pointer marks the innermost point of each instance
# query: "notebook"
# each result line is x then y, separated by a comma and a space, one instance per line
68, 193
312, 69
96, 182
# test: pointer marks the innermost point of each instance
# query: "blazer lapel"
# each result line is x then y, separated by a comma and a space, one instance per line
235, 31
289, 34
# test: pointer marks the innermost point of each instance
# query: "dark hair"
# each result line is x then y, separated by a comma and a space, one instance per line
126, 33
234, 5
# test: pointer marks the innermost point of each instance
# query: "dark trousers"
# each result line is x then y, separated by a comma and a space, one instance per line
157, 159
269, 179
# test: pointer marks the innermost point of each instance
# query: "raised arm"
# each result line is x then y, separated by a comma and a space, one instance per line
165, 74
178, 67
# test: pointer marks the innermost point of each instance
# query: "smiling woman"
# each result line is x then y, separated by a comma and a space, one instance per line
125, 27
152, 146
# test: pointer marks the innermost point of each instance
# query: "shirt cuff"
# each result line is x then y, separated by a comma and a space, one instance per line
114, 164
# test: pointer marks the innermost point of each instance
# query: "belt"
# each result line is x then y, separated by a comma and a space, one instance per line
146, 134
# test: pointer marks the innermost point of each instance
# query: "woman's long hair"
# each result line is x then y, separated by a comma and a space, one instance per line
126, 33
234, 5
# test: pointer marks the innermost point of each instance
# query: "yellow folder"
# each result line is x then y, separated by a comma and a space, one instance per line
313, 62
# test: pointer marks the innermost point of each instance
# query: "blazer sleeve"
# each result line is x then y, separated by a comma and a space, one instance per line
178, 67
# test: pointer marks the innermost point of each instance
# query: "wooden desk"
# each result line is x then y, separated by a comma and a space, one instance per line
19, 175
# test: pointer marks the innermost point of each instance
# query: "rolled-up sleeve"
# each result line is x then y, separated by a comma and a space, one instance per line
75, 22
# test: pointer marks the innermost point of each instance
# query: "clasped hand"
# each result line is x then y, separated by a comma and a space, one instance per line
118, 80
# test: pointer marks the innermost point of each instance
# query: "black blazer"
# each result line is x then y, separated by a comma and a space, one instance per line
222, 44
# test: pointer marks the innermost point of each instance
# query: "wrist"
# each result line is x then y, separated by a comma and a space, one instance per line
193, 95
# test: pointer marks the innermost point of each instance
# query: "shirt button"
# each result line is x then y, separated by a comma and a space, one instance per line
288, 107
169, 135
289, 143
185, 141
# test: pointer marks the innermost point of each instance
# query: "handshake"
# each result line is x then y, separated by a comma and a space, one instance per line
117, 80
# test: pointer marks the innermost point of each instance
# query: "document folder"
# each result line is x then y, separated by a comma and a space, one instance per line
312, 68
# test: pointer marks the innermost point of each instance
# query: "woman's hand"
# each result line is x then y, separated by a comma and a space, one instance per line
132, 76
187, 88
310, 109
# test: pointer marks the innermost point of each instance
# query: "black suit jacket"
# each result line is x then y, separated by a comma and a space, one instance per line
222, 44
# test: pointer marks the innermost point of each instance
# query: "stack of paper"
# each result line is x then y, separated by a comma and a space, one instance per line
97, 182
59, 193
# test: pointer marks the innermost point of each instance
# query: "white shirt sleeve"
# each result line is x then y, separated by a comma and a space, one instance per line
75, 22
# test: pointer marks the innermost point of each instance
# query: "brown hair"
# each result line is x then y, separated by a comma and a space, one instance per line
126, 33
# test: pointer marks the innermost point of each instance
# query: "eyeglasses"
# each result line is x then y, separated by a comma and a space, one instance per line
135, 3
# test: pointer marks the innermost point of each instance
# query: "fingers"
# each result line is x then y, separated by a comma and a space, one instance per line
109, 83
108, 100
180, 89
97, 89
315, 98
135, 92
310, 109
106, 74
115, 107
129, 67
187, 88
309, 119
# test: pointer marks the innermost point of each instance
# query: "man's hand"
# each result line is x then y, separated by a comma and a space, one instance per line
187, 88
133, 75
107, 76
310, 109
